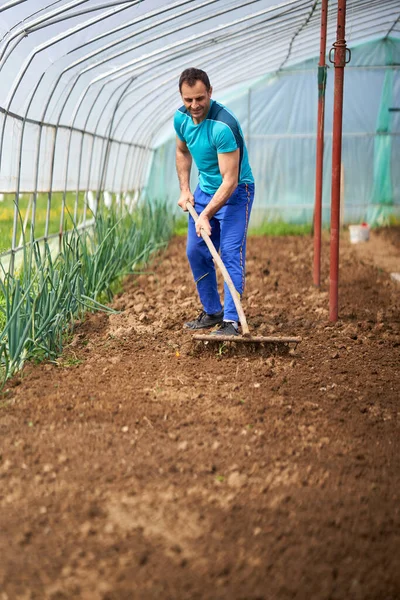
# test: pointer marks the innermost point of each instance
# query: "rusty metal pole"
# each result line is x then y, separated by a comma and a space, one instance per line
340, 51
319, 167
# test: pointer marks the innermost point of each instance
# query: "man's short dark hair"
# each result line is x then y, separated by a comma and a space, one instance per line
191, 75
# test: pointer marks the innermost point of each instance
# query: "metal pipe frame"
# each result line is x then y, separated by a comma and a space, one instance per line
25, 120
45, 21
131, 63
339, 63
134, 69
30, 58
319, 165
23, 30
151, 57
239, 44
136, 132
249, 41
74, 118
166, 103
29, 104
170, 97
11, 4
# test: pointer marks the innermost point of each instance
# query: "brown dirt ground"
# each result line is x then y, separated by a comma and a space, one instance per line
142, 466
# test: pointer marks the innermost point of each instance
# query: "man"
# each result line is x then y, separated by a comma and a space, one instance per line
208, 133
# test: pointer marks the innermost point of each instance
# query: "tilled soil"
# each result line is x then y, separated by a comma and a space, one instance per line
146, 466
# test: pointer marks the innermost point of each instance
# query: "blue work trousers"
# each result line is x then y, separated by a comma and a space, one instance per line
228, 234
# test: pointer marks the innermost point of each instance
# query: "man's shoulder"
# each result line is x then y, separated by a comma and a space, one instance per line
221, 114
181, 113
224, 122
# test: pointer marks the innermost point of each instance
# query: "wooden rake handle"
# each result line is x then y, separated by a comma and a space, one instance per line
225, 274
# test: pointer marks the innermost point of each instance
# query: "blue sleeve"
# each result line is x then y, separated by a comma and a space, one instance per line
225, 140
178, 122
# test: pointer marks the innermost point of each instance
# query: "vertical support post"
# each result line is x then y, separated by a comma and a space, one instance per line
339, 61
319, 166
342, 199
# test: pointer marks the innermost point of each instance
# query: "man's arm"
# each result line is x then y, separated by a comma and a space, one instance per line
229, 168
183, 167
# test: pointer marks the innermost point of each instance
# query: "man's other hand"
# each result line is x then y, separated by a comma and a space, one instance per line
185, 197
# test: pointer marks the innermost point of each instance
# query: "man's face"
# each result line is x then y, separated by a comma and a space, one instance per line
197, 100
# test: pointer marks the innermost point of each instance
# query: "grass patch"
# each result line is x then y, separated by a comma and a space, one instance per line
277, 228
280, 228
25, 207
181, 224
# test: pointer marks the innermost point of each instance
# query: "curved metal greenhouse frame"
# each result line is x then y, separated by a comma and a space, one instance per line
88, 88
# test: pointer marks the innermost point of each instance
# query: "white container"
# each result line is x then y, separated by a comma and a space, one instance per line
359, 233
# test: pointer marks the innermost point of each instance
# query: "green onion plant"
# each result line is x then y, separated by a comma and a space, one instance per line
39, 303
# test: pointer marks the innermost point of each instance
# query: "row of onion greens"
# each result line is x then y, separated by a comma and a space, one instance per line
49, 291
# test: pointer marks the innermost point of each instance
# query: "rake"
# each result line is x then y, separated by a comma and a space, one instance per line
246, 336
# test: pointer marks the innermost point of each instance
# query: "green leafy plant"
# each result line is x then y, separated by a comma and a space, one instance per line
40, 302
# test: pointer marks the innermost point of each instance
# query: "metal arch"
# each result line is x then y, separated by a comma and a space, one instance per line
275, 7
136, 132
137, 60
69, 149
94, 136
55, 144
11, 4
146, 16
170, 70
57, 39
78, 14
46, 45
21, 144
168, 33
245, 77
103, 164
80, 156
63, 35
23, 30
225, 59
370, 3
167, 49
90, 55
228, 25
34, 13
55, 18
248, 41
74, 116
258, 33
302, 49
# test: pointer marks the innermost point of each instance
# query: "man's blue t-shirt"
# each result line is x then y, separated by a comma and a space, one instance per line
220, 132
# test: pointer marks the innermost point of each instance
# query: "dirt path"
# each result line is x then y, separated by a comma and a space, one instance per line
144, 467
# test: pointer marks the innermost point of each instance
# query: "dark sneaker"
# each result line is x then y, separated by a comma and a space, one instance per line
226, 329
204, 320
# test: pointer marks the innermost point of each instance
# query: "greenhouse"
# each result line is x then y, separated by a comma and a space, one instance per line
145, 455
89, 91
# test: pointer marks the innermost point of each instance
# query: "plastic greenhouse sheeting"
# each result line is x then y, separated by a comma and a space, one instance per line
278, 115
88, 90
